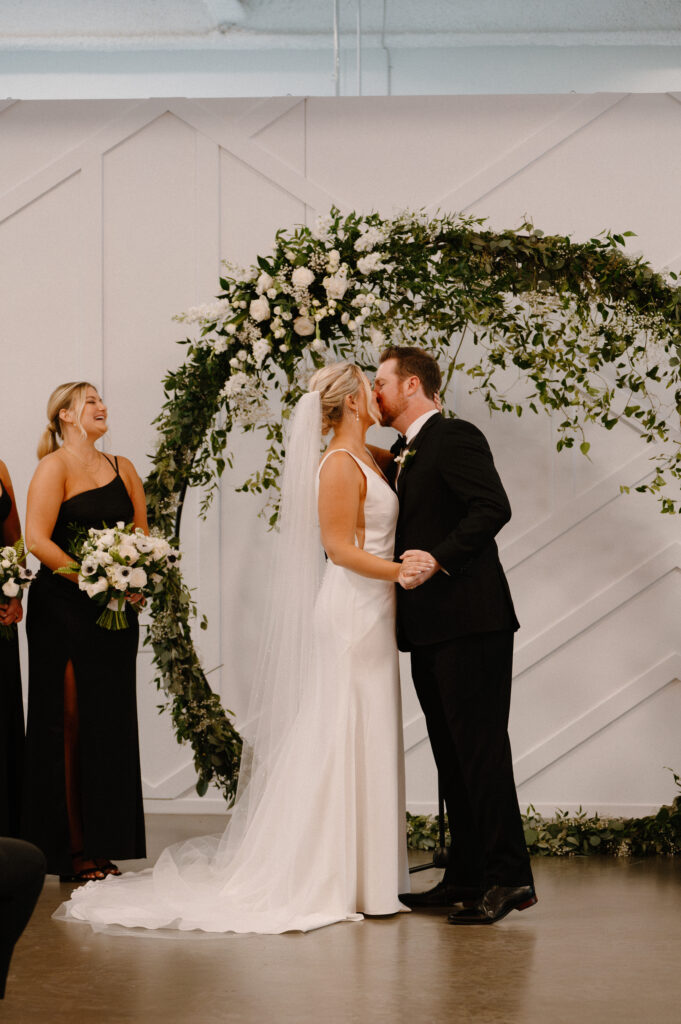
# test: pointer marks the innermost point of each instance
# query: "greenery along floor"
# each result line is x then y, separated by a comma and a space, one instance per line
566, 833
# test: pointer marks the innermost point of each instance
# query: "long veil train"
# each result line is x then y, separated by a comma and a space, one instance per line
296, 841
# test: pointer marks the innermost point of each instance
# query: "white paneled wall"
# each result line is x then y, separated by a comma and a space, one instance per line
114, 215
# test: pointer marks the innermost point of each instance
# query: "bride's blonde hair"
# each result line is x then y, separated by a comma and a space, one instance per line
335, 383
67, 396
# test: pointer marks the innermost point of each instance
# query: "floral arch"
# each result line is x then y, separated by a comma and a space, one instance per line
594, 334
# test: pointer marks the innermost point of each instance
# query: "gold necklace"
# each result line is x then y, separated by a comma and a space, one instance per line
88, 465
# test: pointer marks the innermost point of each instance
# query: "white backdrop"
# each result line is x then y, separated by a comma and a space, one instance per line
113, 216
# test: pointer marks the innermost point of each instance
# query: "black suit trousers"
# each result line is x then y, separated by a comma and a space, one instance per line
464, 686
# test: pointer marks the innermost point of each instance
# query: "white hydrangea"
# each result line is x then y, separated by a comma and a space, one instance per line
261, 349
373, 261
336, 285
369, 238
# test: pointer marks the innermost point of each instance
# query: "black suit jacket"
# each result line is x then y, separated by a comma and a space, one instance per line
452, 503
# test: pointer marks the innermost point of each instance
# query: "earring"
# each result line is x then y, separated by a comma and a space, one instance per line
357, 415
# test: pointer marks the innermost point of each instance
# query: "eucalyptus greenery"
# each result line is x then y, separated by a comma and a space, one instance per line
567, 834
580, 330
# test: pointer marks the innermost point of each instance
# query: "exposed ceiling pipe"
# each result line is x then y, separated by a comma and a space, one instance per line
389, 67
359, 47
336, 51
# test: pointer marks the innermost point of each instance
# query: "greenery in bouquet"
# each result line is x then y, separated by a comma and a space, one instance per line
14, 577
115, 563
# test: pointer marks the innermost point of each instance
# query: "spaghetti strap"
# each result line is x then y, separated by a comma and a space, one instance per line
365, 469
114, 464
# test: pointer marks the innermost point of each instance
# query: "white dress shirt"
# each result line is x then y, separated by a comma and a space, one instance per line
413, 428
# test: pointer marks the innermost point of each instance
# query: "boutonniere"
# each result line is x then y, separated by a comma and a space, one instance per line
403, 459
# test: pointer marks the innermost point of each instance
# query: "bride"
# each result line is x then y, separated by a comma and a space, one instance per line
317, 832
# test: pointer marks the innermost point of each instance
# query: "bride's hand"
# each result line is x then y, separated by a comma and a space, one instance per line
418, 566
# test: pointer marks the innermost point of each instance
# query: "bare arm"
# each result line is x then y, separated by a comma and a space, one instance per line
45, 495
135, 489
341, 489
10, 532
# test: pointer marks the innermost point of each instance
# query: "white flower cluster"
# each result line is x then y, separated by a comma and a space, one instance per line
14, 577
369, 238
209, 313
245, 398
118, 561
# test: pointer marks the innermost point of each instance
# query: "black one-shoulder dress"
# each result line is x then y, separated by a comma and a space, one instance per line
11, 715
61, 627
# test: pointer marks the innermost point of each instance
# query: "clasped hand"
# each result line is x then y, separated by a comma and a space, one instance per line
11, 612
417, 567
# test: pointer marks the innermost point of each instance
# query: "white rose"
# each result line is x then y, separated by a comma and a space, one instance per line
302, 277
138, 578
230, 328
303, 326
235, 363
5, 563
336, 286
345, 318
259, 309
318, 345
10, 588
377, 337
264, 282
127, 549
272, 293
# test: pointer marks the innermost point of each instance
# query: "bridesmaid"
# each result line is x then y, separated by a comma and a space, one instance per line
83, 793
11, 707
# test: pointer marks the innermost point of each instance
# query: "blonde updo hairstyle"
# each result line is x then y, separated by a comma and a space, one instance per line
67, 396
335, 383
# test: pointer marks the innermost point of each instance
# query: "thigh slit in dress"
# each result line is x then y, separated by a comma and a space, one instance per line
61, 628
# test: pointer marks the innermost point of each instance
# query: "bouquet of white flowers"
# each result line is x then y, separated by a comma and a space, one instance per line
14, 577
116, 562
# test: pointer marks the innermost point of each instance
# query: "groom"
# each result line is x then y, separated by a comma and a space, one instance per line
458, 626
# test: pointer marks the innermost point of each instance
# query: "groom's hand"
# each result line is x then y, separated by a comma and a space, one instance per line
418, 567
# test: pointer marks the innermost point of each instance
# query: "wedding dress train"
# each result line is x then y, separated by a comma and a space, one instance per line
322, 838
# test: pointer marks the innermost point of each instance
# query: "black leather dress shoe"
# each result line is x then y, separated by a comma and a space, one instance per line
497, 902
441, 895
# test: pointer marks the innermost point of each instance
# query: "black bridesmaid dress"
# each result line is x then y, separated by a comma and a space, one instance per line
11, 716
61, 627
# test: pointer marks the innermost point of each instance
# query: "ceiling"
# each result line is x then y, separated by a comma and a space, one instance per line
307, 24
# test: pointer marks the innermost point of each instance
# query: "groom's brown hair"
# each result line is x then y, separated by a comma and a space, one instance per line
415, 362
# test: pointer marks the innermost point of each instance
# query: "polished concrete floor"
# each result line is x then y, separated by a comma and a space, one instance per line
602, 944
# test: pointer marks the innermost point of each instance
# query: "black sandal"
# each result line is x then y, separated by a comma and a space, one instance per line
109, 868
84, 875
93, 874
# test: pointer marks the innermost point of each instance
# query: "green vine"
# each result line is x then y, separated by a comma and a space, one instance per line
566, 834
579, 330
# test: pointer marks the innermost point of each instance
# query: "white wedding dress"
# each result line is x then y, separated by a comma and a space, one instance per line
323, 839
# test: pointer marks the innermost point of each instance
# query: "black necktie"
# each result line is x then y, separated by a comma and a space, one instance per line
399, 446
